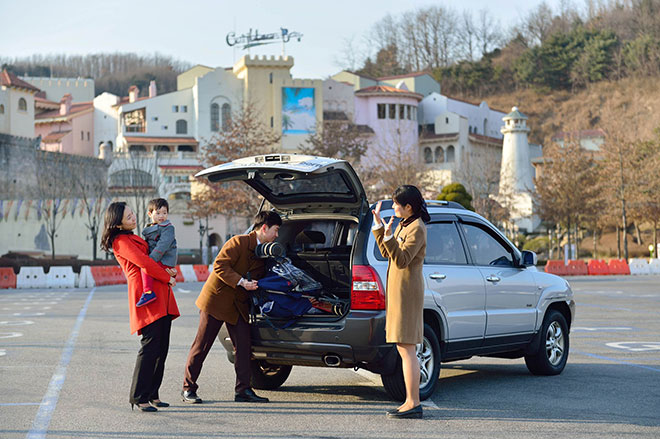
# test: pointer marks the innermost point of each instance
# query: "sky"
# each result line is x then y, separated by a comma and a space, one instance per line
194, 30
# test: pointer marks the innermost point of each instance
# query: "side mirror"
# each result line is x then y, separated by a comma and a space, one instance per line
528, 259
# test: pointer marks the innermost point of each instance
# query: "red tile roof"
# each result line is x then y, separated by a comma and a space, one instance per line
161, 140
55, 136
8, 79
489, 139
427, 135
386, 89
74, 111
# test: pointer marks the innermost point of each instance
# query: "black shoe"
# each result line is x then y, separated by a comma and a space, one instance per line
248, 395
190, 397
413, 413
159, 404
391, 412
146, 408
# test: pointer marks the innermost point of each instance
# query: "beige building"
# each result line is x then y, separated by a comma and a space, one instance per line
16, 105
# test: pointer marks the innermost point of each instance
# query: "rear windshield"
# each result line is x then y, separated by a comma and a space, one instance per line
328, 183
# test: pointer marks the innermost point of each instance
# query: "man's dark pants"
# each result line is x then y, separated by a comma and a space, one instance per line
207, 332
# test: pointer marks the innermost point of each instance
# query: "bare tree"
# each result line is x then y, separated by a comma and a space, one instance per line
91, 187
339, 139
54, 189
134, 176
487, 32
566, 187
480, 174
246, 135
467, 35
538, 23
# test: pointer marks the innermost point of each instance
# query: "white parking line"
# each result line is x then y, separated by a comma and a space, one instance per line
16, 322
48, 403
10, 334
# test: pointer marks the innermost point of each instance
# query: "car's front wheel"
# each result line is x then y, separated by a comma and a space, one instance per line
266, 376
552, 353
428, 355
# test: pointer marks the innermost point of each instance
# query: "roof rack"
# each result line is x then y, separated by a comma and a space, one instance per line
387, 204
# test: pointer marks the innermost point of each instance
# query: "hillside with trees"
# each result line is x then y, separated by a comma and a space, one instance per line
112, 72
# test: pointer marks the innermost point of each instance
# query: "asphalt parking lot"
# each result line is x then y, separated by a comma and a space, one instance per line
66, 359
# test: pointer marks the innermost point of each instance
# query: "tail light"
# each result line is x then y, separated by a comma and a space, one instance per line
367, 291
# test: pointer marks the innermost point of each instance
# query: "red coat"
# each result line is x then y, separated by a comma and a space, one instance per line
131, 253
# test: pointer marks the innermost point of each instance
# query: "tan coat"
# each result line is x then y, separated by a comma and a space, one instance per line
220, 296
405, 282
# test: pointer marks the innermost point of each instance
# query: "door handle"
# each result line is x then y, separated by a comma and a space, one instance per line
493, 278
438, 276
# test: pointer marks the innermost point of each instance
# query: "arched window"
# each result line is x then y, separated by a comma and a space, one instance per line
215, 117
109, 142
181, 127
439, 155
22, 104
2, 109
485, 127
185, 148
137, 148
450, 153
428, 155
226, 116
162, 148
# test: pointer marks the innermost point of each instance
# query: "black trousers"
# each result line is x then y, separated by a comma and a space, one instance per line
150, 362
207, 332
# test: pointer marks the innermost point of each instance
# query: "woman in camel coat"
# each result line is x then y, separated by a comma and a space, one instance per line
405, 250
152, 321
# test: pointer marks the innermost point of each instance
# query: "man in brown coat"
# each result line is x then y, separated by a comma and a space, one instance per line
224, 299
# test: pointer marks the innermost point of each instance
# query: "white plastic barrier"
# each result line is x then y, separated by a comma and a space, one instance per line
654, 266
638, 266
86, 280
188, 273
60, 277
31, 277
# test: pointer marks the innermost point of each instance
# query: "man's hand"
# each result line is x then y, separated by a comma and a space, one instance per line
250, 285
171, 271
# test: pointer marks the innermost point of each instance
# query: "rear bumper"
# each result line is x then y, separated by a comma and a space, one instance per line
358, 340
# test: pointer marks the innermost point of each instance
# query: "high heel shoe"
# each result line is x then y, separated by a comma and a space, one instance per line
146, 408
159, 403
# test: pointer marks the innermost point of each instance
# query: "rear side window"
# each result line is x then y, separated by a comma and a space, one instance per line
443, 244
286, 184
485, 248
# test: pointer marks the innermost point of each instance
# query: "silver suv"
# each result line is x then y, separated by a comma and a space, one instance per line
483, 296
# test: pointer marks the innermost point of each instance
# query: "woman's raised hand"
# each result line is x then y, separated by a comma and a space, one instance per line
388, 226
376, 213
171, 271
172, 281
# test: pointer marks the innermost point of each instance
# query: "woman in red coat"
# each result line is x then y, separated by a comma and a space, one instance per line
154, 321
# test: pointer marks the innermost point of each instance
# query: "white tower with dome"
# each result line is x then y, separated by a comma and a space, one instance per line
516, 173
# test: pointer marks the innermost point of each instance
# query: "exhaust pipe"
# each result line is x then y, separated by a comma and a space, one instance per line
331, 360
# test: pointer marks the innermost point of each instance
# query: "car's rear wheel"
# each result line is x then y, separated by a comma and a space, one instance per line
428, 355
552, 353
267, 376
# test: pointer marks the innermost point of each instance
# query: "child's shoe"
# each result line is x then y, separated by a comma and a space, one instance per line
146, 299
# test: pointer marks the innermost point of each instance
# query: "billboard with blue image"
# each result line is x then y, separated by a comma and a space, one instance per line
298, 110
